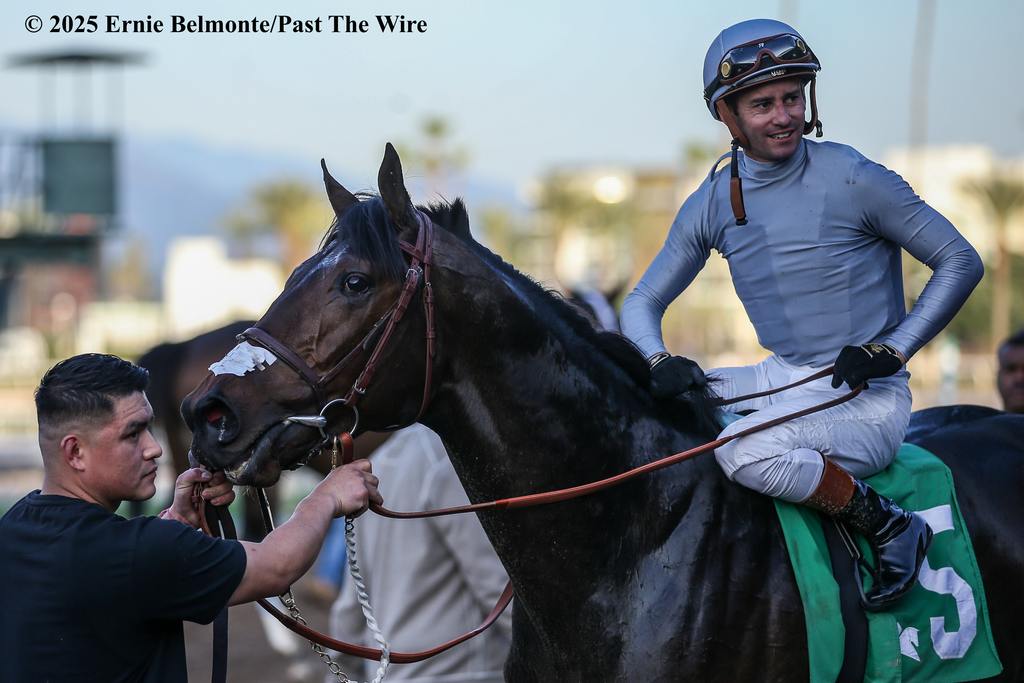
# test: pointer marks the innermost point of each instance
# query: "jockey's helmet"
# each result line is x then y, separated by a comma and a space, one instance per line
753, 52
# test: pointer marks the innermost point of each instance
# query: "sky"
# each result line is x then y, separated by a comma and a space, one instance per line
527, 85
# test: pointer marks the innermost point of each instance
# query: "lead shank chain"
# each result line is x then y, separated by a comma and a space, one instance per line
288, 600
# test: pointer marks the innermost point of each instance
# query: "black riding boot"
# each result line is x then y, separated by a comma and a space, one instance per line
899, 538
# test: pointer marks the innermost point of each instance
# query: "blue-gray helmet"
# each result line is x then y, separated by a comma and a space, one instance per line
751, 53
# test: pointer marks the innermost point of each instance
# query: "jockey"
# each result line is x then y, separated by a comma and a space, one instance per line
817, 266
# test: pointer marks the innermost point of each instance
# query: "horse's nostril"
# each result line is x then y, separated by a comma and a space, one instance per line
219, 418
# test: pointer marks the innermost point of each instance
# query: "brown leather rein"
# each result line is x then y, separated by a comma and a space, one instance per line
421, 254
314, 636
560, 495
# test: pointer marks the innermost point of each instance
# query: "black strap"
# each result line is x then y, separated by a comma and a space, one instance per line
220, 648
222, 525
845, 569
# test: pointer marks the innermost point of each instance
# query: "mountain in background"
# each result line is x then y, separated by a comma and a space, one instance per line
180, 187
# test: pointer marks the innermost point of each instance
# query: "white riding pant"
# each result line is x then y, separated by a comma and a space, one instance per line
785, 461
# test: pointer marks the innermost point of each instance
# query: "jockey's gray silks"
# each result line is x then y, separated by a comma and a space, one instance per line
818, 266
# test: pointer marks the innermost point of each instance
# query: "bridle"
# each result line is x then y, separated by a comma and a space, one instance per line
420, 261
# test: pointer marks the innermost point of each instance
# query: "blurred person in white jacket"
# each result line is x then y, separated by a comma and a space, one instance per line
429, 580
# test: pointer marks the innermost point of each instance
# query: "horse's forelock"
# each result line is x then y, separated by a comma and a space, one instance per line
367, 233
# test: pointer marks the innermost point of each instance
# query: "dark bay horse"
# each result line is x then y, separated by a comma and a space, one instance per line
680, 575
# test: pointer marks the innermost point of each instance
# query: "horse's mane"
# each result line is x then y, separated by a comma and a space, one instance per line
621, 351
361, 227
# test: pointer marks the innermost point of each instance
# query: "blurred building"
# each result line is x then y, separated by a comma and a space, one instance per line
204, 289
58, 203
124, 328
600, 227
941, 176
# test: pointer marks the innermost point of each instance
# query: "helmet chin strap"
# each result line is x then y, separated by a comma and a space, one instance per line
729, 119
814, 124
739, 139
735, 182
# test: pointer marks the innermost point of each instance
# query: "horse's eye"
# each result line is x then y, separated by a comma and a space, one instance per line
355, 283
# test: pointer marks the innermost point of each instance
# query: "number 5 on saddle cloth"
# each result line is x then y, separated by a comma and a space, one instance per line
940, 630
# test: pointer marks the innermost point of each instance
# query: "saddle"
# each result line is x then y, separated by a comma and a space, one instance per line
939, 631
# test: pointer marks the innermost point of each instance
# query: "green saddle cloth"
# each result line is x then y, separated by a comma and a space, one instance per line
940, 630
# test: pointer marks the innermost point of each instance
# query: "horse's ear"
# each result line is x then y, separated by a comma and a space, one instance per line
392, 190
341, 199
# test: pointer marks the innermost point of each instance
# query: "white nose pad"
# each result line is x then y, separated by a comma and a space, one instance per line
242, 359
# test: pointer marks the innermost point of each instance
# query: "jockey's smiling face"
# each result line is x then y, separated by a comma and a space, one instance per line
772, 118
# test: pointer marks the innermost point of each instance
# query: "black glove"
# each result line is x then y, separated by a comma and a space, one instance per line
674, 375
857, 364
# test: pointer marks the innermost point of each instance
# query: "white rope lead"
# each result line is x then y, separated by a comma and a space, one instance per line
364, 599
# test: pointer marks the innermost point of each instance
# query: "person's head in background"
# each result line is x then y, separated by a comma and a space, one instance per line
1010, 376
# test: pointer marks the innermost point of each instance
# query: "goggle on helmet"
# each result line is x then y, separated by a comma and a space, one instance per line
751, 53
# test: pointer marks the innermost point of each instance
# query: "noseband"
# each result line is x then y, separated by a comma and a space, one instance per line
420, 260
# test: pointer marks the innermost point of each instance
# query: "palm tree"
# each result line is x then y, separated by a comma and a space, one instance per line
1001, 195
434, 153
288, 209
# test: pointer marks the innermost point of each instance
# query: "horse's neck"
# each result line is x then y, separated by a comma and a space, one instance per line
541, 405
523, 406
